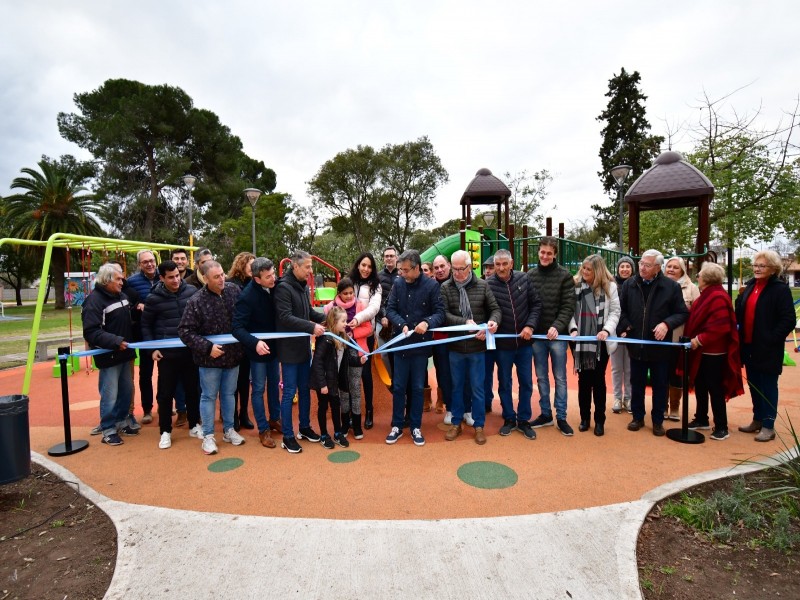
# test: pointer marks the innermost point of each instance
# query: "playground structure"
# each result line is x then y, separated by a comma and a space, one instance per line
87, 245
320, 293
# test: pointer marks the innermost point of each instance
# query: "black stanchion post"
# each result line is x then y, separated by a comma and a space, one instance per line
69, 446
684, 434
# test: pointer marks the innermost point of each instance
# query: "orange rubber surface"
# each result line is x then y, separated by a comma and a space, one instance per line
402, 481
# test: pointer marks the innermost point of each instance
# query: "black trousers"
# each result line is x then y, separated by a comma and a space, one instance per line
242, 394
171, 370
323, 400
592, 386
366, 375
146, 379
708, 382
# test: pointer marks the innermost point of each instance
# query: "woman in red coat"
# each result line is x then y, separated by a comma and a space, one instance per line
715, 368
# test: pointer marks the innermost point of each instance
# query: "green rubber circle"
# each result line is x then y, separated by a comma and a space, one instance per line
345, 456
225, 464
487, 475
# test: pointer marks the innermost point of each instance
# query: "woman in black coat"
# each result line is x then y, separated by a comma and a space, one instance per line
765, 313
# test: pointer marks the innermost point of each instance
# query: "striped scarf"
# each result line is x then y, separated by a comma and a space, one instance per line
589, 315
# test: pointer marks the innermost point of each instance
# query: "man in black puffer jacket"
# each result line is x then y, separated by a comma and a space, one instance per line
521, 308
161, 316
652, 307
106, 316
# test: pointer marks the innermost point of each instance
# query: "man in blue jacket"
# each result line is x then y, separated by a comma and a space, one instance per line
414, 307
255, 313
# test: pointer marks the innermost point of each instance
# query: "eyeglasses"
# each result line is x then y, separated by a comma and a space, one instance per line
460, 269
152, 261
403, 270
646, 265
760, 266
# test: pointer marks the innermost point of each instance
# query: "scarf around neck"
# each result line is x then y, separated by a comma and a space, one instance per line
463, 299
590, 316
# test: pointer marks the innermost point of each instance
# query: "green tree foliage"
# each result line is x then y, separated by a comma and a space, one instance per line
671, 231
53, 201
626, 140
757, 185
528, 194
145, 138
380, 196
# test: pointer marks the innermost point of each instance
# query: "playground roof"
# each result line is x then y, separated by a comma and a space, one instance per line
485, 188
671, 182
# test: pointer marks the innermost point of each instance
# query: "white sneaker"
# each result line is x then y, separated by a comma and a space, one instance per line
468, 419
209, 444
448, 418
627, 405
196, 432
166, 440
617, 408
232, 437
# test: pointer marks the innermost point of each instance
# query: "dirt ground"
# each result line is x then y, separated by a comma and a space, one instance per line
677, 562
54, 543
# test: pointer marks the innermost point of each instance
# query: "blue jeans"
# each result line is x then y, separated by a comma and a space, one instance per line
115, 385
522, 359
268, 373
410, 374
468, 366
764, 394
659, 381
557, 353
215, 381
296, 378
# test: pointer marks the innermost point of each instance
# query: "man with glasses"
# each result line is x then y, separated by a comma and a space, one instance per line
652, 307
255, 313
141, 283
414, 307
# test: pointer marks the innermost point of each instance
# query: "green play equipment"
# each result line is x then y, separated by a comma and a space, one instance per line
72, 242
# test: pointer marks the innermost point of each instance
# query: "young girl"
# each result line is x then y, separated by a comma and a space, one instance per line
329, 356
350, 391
596, 314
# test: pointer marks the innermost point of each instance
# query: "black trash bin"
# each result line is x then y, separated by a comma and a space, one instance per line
15, 439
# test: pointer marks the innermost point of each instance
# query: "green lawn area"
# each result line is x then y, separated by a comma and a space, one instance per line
54, 322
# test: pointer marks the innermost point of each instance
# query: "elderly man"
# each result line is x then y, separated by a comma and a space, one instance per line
414, 307
441, 360
556, 288
468, 301
521, 308
210, 312
294, 314
107, 325
162, 313
201, 257
142, 283
652, 307
255, 313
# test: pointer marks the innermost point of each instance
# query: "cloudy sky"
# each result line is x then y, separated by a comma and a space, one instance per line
507, 85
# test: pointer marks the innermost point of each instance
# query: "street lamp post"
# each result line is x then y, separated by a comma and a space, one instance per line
253, 195
620, 174
189, 181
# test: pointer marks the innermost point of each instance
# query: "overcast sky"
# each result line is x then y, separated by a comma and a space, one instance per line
504, 85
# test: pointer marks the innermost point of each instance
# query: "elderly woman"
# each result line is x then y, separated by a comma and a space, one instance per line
596, 314
675, 269
715, 368
765, 313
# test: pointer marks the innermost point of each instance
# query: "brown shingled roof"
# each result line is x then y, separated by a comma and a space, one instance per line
670, 177
485, 188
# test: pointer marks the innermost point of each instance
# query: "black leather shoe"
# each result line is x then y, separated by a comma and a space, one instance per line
658, 429
368, 419
635, 425
584, 426
599, 429
245, 422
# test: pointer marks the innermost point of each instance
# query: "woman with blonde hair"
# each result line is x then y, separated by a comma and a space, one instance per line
675, 269
765, 313
597, 313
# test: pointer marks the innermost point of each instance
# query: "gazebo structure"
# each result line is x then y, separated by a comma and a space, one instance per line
670, 183
485, 189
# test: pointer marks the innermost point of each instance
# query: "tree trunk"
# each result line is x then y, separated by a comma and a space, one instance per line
18, 294
57, 267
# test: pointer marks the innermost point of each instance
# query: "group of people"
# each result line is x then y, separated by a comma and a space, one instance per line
533, 315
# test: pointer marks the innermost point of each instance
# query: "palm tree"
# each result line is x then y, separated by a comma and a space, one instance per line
53, 202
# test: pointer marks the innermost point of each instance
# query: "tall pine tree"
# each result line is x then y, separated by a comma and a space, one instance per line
626, 141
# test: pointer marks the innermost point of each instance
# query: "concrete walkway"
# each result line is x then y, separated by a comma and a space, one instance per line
579, 554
